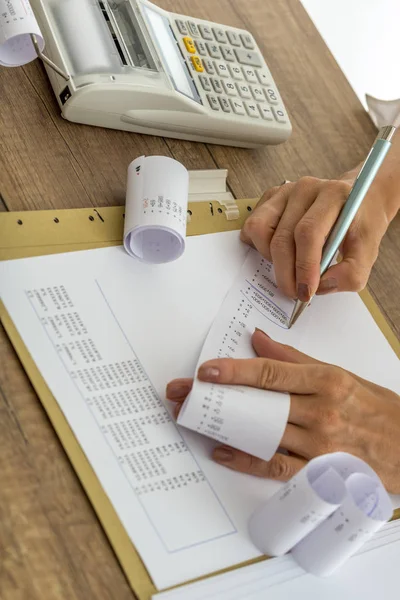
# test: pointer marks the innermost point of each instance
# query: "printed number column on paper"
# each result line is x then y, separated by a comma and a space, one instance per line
132, 419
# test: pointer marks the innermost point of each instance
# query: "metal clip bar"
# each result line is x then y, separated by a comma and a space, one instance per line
46, 60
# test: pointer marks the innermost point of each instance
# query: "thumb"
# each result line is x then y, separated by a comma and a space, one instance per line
352, 272
268, 348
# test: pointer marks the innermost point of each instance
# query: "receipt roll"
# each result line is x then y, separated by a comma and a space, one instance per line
156, 208
324, 514
17, 23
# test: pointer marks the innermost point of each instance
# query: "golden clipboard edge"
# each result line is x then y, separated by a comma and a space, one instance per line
50, 232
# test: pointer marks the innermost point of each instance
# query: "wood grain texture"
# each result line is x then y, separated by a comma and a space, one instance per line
51, 544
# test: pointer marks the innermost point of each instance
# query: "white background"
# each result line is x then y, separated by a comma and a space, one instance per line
364, 37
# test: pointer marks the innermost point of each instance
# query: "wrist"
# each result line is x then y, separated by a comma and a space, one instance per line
385, 187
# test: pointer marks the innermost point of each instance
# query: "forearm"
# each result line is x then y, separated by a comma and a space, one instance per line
387, 181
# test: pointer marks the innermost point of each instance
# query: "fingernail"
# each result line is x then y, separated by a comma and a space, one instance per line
303, 292
327, 286
208, 373
177, 391
223, 454
261, 331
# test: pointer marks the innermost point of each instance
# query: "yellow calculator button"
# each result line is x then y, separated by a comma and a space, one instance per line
198, 65
189, 44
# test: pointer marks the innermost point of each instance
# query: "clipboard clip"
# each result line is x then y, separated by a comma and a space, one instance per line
46, 60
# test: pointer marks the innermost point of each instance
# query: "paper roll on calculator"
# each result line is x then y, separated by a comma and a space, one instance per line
156, 207
17, 23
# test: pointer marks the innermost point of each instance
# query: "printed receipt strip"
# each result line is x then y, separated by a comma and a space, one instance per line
156, 207
246, 418
17, 22
324, 514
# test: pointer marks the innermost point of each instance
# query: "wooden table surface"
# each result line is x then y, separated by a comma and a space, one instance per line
51, 544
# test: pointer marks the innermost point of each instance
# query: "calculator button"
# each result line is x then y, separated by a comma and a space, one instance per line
247, 41
234, 38
238, 106
221, 68
244, 90
201, 48
263, 77
209, 66
224, 102
193, 29
245, 57
236, 72
230, 87
266, 112
216, 83
250, 75
205, 82
227, 53
182, 26
271, 96
206, 32
189, 44
258, 93
213, 102
279, 114
252, 109
220, 36
213, 50
198, 65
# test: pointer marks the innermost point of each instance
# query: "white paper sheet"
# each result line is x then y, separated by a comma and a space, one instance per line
324, 514
156, 207
372, 573
114, 333
17, 22
246, 418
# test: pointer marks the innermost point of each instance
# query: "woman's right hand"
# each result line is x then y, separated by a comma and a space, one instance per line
291, 222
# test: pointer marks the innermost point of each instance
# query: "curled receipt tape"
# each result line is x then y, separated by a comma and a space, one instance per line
17, 25
324, 514
156, 207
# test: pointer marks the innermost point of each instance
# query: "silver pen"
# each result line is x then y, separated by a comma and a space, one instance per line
357, 194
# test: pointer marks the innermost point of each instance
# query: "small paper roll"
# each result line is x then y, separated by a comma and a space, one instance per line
17, 23
156, 207
324, 514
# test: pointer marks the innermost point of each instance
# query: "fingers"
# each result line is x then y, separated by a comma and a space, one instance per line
280, 467
282, 245
260, 226
311, 232
265, 374
178, 389
289, 227
360, 251
269, 348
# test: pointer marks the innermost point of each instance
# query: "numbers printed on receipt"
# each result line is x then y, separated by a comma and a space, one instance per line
17, 22
237, 415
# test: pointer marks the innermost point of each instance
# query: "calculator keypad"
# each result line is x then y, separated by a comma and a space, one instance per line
221, 69
213, 50
229, 71
220, 36
205, 32
227, 53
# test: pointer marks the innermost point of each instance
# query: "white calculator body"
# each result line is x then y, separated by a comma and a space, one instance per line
136, 67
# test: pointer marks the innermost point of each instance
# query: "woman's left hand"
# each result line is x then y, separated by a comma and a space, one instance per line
330, 410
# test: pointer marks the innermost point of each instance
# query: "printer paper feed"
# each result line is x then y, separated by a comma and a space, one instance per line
156, 208
324, 514
246, 418
17, 23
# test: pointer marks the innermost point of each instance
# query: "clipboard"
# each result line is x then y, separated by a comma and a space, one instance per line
37, 233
